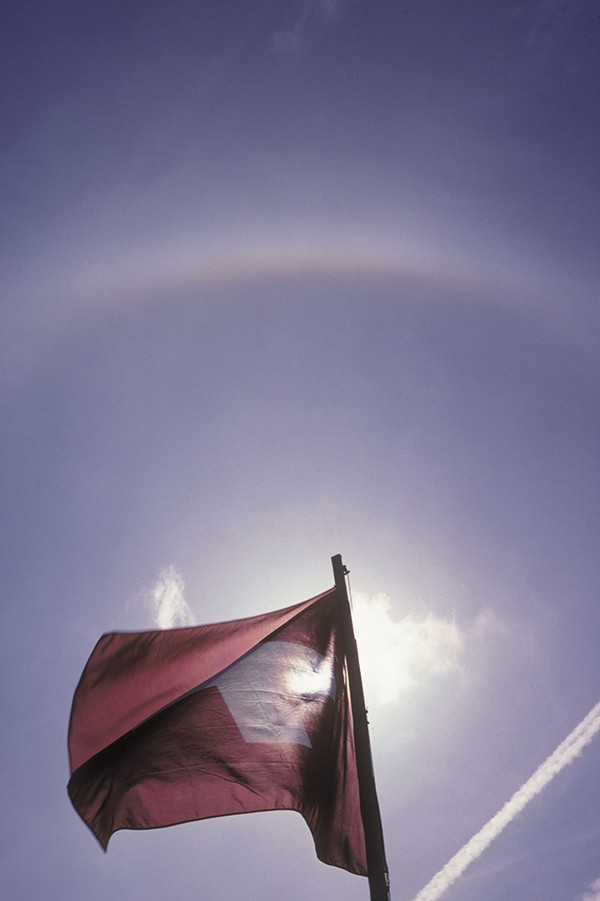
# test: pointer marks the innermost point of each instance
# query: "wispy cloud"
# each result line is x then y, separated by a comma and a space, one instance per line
170, 606
288, 38
564, 754
399, 655
593, 892
542, 33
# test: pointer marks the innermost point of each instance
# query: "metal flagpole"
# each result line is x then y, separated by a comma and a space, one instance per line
369, 805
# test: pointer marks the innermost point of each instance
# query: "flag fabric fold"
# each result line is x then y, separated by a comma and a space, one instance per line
250, 715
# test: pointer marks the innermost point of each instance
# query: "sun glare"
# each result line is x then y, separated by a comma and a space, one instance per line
318, 679
398, 656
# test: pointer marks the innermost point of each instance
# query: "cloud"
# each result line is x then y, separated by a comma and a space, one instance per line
593, 892
399, 655
288, 39
549, 19
564, 754
170, 606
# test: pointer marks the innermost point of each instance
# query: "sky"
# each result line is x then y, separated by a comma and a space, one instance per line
281, 280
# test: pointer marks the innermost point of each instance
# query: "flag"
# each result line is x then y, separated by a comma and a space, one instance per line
250, 715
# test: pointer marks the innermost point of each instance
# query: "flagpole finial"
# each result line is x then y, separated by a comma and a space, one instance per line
336, 562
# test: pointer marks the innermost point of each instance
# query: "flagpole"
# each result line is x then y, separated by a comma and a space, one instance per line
369, 805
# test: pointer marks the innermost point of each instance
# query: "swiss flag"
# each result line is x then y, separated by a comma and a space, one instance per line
184, 724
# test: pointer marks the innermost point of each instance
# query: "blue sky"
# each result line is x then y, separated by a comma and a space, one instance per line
286, 280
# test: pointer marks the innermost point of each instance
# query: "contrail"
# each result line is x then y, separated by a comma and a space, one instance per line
566, 752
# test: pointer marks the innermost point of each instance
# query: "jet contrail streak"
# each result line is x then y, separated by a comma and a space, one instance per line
565, 753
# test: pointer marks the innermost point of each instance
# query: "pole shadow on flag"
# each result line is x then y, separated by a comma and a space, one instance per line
263, 713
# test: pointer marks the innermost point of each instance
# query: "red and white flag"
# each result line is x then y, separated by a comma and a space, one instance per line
184, 724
